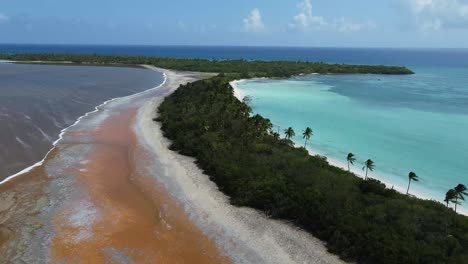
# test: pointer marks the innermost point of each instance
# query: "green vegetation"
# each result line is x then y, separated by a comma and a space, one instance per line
306, 135
243, 67
351, 159
451, 197
289, 133
411, 177
369, 165
360, 220
456, 195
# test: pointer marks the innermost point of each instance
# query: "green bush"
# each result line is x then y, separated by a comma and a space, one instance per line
360, 220
243, 68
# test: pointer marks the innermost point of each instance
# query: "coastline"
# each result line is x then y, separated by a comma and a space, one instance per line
354, 169
82, 202
113, 168
62, 132
237, 92
246, 235
49, 99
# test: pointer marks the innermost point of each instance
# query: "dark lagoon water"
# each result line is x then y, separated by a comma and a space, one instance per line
404, 123
38, 101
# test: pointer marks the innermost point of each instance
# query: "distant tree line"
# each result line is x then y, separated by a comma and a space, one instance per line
245, 68
360, 219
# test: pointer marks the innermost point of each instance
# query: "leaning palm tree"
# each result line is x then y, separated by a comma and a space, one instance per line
276, 135
289, 133
460, 194
450, 197
351, 159
307, 134
411, 177
368, 165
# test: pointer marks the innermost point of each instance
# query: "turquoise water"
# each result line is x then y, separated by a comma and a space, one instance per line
404, 123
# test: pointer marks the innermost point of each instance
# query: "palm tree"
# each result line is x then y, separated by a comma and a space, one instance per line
351, 159
411, 177
460, 194
450, 197
368, 165
276, 135
289, 133
307, 134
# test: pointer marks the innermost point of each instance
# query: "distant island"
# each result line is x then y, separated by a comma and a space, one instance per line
360, 219
246, 68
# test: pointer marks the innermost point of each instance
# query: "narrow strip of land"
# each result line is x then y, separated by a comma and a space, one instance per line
112, 191
95, 200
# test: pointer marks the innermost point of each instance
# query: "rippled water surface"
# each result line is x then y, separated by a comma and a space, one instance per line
404, 123
37, 101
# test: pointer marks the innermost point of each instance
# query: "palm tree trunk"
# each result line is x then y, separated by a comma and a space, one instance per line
367, 169
456, 202
348, 166
446, 223
409, 184
305, 144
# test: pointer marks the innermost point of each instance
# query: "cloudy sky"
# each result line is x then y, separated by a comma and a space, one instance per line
338, 23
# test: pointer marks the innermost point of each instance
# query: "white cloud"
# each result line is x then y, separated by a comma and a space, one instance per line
3, 18
438, 14
305, 20
348, 25
253, 22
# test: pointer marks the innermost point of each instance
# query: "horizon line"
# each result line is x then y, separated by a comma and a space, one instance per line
234, 46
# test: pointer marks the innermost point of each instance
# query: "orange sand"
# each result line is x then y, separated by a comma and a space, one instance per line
137, 217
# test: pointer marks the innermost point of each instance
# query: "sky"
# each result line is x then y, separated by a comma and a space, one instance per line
314, 23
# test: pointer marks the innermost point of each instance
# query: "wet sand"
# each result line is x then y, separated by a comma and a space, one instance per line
38, 101
244, 234
112, 192
93, 201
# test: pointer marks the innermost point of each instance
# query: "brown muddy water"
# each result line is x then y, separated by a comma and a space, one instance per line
95, 200
38, 101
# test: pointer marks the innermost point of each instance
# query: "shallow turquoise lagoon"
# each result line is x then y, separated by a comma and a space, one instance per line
404, 123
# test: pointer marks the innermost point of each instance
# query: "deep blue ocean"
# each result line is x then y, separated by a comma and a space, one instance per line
404, 123
386, 56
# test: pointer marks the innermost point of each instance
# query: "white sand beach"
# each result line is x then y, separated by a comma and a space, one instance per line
356, 169
89, 189
246, 235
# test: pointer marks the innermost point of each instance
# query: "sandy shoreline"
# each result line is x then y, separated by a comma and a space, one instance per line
39, 106
246, 235
113, 169
92, 200
356, 169
62, 132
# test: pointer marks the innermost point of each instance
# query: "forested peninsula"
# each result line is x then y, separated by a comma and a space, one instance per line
359, 219
246, 68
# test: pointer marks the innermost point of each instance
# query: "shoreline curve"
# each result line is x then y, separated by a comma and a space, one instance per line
342, 165
62, 132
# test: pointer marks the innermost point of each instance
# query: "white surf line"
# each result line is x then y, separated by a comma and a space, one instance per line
62, 132
343, 165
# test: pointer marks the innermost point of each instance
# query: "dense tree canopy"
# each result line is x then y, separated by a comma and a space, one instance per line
360, 220
244, 67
